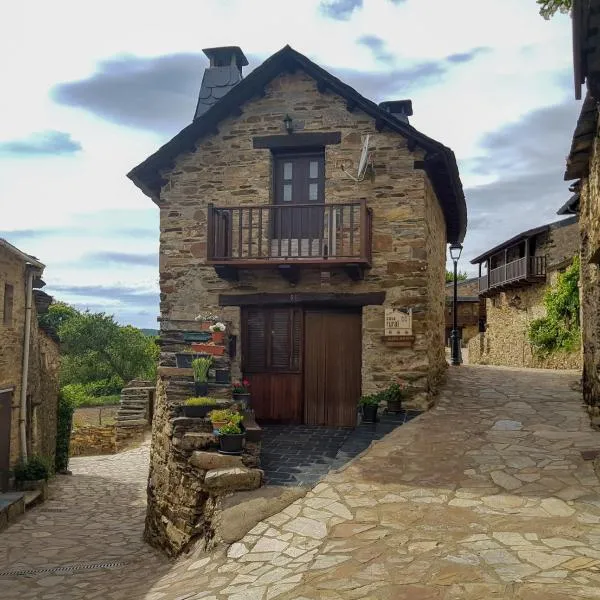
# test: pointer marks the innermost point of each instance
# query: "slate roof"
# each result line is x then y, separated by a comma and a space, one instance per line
570, 207
27, 258
216, 82
440, 162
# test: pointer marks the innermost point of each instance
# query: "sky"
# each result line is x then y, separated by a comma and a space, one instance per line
92, 89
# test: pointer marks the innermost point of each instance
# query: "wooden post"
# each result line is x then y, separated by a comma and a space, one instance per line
526, 258
505, 262
210, 232
363, 230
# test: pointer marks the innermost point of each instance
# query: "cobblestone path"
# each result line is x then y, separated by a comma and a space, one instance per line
485, 496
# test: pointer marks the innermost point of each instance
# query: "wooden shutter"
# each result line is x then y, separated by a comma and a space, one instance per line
254, 346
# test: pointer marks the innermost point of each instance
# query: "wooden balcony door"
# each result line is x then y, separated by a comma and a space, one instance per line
5, 424
298, 180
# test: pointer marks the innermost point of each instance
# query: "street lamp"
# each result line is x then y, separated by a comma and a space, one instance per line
455, 250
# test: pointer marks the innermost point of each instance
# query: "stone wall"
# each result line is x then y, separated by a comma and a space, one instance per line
93, 440
42, 389
505, 340
468, 287
408, 227
589, 223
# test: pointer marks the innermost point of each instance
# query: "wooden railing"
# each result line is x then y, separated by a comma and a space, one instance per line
301, 233
522, 269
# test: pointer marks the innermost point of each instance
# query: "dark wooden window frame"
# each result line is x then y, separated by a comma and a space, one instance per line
295, 343
7, 315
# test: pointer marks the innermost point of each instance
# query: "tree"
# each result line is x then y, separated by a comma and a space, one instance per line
57, 314
548, 8
460, 276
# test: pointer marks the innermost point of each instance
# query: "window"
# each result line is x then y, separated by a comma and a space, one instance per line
272, 339
8, 304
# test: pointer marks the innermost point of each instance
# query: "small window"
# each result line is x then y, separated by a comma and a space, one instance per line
314, 169
8, 304
287, 192
313, 191
287, 170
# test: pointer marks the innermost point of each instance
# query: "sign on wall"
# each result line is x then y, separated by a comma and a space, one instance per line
398, 322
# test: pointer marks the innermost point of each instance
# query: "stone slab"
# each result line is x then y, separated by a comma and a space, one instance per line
232, 479
208, 461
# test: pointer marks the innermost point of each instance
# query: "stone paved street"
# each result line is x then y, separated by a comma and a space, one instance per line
486, 496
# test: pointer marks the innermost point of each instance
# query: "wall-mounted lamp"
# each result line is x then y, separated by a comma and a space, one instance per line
289, 125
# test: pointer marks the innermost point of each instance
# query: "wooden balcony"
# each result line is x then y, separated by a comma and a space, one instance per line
520, 272
289, 237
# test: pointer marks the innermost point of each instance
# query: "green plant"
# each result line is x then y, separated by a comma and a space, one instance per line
64, 425
201, 366
559, 330
224, 414
230, 429
460, 276
394, 392
200, 402
34, 469
241, 387
369, 400
548, 8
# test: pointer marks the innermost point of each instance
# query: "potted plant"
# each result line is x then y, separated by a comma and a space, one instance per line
198, 407
232, 436
218, 332
32, 475
201, 366
221, 417
394, 395
241, 393
369, 405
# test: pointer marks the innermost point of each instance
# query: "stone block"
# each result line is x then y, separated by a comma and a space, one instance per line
233, 479
195, 440
208, 461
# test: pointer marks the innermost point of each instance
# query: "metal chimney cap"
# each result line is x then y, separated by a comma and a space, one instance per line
224, 52
403, 107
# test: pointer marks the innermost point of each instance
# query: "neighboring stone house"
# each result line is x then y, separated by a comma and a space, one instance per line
298, 211
514, 277
470, 310
583, 166
29, 363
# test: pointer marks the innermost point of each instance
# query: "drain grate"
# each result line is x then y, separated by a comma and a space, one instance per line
64, 570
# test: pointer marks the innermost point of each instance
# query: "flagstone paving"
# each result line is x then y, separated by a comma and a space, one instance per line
485, 496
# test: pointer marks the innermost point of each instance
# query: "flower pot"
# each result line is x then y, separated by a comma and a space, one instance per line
209, 349
200, 388
232, 443
243, 400
218, 337
369, 412
222, 375
218, 424
184, 360
394, 406
196, 412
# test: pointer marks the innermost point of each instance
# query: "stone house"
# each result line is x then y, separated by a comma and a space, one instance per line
470, 307
298, 212
583, 167
29, 364
514, 277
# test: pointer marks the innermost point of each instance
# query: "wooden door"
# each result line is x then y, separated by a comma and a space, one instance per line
272, 361
5, 424
299, 180
332, 367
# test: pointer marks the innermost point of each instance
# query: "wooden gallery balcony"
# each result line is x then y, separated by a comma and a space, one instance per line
290, 237
516, 273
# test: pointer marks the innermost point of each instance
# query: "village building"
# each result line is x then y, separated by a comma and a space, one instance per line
583, 168
29, 364
514, 277
302, 215
470, 310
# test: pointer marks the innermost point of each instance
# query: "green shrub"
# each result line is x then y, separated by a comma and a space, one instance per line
369, 400
34, 469
226, 415
63, 432
559, 330
200, 402
201, 366
230, 429
105, 387
78, 395
394, 392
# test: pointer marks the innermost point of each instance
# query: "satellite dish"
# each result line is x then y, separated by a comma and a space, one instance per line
362, 163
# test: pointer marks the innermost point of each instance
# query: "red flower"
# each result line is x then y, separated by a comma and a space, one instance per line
246, 383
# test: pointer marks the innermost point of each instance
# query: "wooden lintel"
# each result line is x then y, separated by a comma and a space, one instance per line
297, 140
227, 273
290, 273
419, 165
316, 298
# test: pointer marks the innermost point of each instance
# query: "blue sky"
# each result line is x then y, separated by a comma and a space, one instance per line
92, 92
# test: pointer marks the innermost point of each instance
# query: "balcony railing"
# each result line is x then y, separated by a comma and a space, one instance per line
309, 234
521, 271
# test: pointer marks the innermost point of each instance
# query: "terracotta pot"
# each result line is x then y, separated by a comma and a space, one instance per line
394, 405
218, 424
208, 349
218, 337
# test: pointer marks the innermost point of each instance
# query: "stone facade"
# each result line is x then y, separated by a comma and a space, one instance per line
510, 312
93, 440
589, 223
42, 389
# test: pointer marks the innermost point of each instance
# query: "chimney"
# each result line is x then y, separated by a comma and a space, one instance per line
223, 73
401, 109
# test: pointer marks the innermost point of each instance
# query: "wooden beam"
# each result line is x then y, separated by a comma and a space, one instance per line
226, 272
290, 273
355, 272
319, 299
297, 140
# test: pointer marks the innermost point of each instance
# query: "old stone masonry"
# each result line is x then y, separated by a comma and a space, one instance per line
488, 495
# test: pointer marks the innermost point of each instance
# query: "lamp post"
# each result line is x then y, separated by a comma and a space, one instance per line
455, 250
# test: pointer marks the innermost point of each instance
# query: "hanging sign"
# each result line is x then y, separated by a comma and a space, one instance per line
398, 322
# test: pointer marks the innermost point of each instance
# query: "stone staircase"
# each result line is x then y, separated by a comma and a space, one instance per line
135, 401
